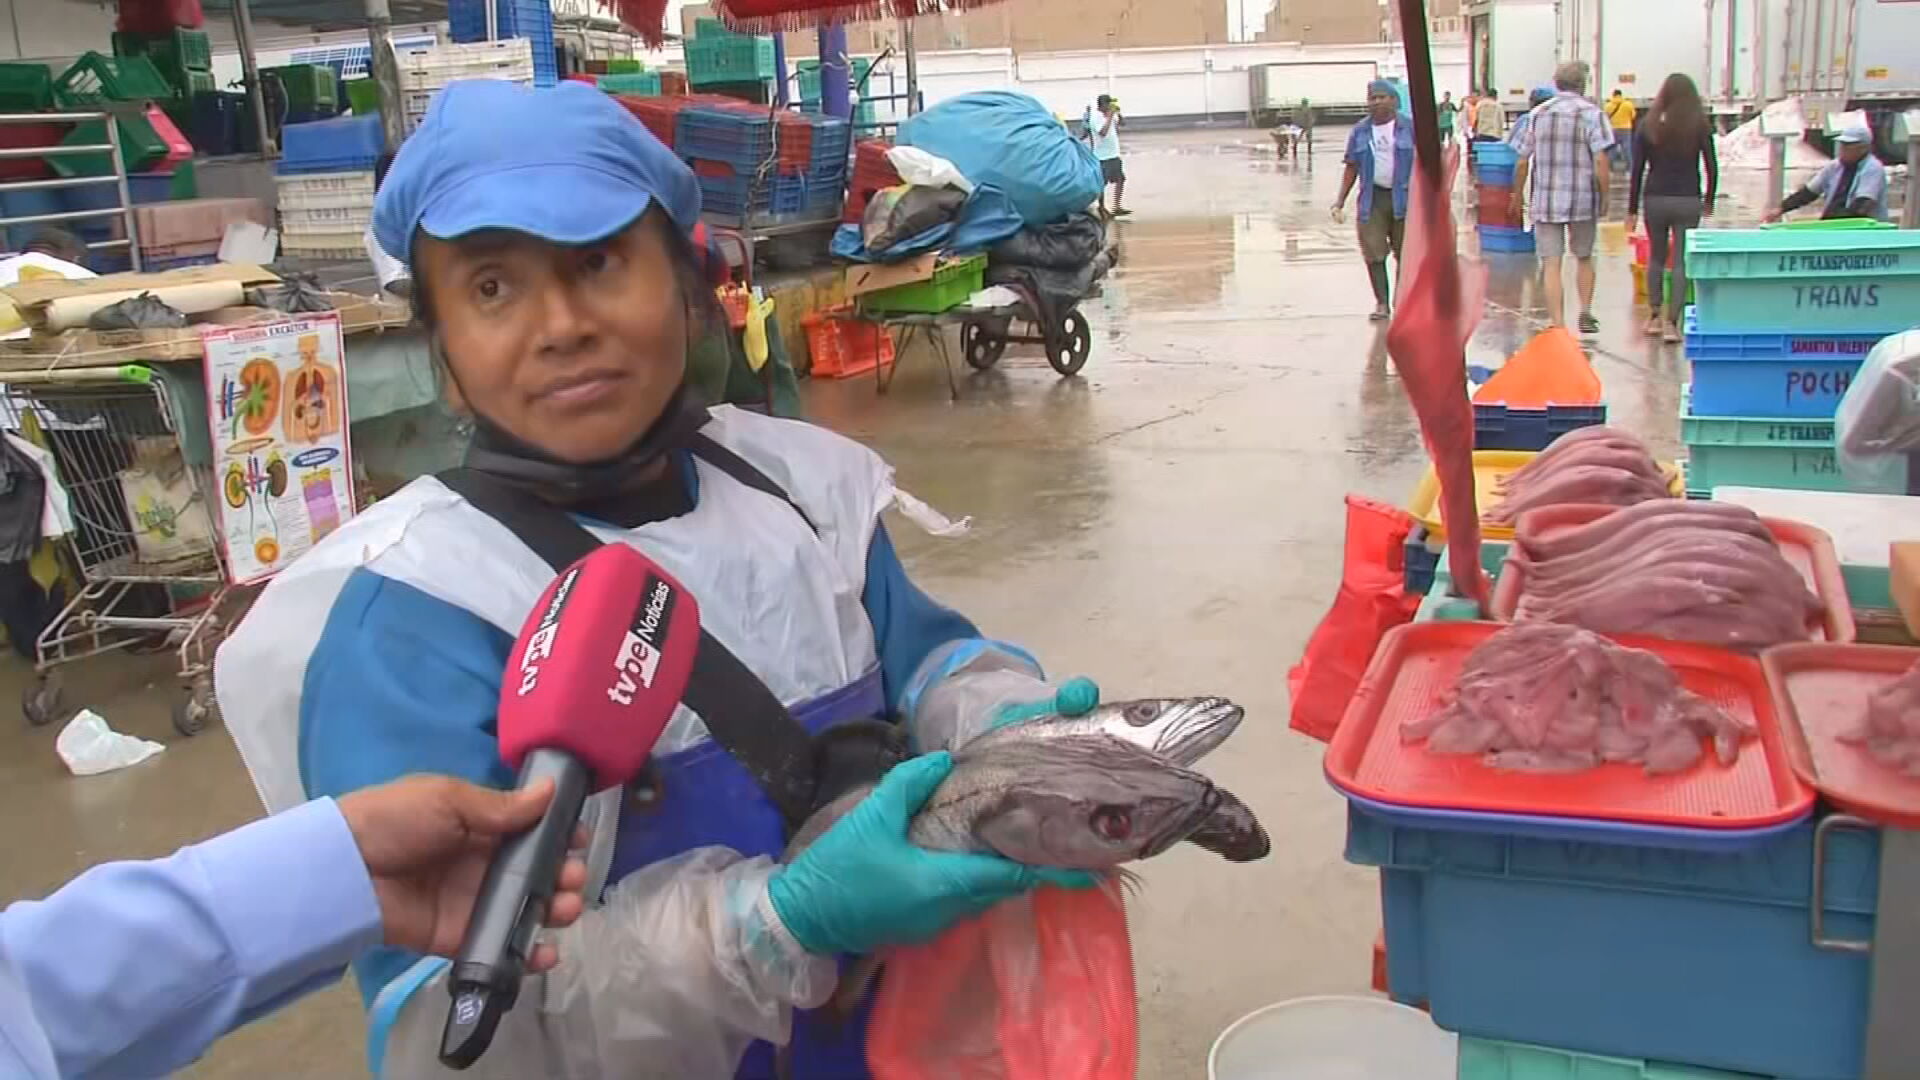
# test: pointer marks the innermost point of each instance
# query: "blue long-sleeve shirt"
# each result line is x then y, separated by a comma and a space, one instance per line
134, 968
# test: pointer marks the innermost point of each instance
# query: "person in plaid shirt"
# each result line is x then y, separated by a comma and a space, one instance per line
1564, 150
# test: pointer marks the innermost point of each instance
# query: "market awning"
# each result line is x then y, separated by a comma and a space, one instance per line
328, 14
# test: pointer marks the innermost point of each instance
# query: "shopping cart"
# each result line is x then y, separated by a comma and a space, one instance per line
145, 535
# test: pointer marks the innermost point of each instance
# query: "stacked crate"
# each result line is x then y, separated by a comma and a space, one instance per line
1783, 320
326, 186
716, 56
873, 172
749, 161
530, 20
183, 57
312, 91
1493, 169
426, 71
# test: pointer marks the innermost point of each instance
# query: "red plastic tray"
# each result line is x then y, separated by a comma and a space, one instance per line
1416, 665
1806, 548
1820, 690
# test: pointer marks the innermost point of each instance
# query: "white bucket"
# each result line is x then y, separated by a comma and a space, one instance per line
1334, 1038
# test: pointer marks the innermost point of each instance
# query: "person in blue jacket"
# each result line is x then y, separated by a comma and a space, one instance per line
546, 233
1380, 152
134, 968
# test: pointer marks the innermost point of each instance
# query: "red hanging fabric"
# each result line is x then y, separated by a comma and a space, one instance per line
1439, 305
648, 18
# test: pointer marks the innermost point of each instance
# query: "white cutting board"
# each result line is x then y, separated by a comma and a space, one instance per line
1862, 526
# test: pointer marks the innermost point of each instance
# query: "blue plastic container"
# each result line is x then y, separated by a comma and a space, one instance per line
741, 140
530, 19
1497, 427
1494, 163
1642, 952
1579, 830
347, 144
1758, 281
1419, 560
776, 195
1782, 388
31, 204
1505, 238
1704, 346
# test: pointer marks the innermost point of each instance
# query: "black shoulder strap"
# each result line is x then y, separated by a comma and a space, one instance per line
740, 712
708, 450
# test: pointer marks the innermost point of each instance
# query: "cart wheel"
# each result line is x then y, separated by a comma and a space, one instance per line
191, 713
982, 347
41, 702
1069, 352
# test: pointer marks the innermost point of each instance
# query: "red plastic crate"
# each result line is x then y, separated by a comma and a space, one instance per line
1643, 249
1412, 675
872, 171
842, 346
1496, 206
158, 16
1807, 549
1820, 691
14, 136
796, 143
673, 83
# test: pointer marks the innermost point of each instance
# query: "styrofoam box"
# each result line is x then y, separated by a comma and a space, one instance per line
434, 67
326, 243
314, 191
327, 218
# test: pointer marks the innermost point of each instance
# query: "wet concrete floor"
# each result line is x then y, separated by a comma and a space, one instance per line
1168, 522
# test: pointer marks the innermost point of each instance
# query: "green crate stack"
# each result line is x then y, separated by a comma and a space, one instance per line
642, 83
809, 77
948, 288
140, 146
184, 57
729, 59
627, 66
26, 87
710, 28
363, 96
95, 79
308, 86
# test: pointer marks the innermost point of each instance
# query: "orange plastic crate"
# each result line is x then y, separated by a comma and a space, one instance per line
843, 346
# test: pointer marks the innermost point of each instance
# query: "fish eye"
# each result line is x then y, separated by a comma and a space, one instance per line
1141, 712
1112, 823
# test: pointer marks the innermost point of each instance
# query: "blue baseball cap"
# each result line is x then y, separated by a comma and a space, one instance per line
566, 164
1381, 86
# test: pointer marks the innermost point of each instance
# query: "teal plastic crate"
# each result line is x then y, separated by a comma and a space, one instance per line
1491, 1059
26, 87
948, 288
643, 83
1756, 281
729, 59
1758, 451
807, 76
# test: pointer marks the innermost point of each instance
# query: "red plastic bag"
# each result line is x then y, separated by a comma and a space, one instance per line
1372, 600
1038, 988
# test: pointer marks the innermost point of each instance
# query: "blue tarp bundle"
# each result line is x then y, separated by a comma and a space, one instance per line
1009, 141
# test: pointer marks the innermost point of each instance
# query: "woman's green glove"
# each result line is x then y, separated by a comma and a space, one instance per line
862, 885
1077, 696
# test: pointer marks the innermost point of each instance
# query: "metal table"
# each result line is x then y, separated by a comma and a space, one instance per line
985, 333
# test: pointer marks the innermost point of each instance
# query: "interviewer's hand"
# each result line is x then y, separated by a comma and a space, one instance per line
427, 841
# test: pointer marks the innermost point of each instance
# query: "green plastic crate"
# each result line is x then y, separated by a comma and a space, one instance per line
200, 82
178, 55
94, 80
625, 66
729, 59
1766, 281
1831, 223
704, 29
948, 288
643, 83
808, 76
26, 87
1440, 607
1825, 253
1491, 1059
1748, 451
308, 86
140, 147
363, 96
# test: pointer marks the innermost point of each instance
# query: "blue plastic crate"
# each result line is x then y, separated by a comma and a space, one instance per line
1497, 427
776, 195
1419, 561
1682, 956
1758, 451
1782, 388
530, 19
742, 140
1504, 238
1780, 346
347, 144
1756, 281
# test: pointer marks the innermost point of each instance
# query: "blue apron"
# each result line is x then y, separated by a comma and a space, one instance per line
706, 798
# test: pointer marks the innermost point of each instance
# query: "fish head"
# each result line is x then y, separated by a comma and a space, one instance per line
1182, 730
1231, 831
1093, 803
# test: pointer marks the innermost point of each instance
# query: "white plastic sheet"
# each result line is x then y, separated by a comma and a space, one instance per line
89, 747
1877, 427
923, 169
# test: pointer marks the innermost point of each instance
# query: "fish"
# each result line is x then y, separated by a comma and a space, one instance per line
1181, 730
1073, 801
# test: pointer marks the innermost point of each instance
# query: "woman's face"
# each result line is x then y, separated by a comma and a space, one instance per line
574, 350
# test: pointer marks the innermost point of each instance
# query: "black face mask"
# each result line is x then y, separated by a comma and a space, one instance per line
498, 453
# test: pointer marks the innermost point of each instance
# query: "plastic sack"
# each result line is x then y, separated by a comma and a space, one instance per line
143, 312
294, 295
899, 213
916, 166
1038, 988
89, 747
1372, 600
1064, 245
1002, 139
1876, 429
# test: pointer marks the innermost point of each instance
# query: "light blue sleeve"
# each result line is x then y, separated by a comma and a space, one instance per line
1870, 183
1822, 182
135, 968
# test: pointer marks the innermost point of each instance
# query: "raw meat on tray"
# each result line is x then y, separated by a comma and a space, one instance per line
1544, 697
1890, 730
1586, 465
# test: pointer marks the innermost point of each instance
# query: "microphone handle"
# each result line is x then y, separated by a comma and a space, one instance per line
511, 906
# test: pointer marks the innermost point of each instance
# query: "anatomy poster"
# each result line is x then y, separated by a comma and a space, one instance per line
277, 403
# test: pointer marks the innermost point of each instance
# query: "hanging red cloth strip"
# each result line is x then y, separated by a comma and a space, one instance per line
648, 18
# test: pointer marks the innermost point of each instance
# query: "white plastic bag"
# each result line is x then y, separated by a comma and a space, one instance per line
1877, 426
89, 747
922, 169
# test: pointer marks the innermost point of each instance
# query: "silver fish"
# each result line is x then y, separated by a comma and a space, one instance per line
1181, 730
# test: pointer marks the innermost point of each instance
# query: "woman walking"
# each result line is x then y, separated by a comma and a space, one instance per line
1668, 153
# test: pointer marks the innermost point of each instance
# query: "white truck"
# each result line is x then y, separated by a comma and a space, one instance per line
1631, 45
1510, 47
1337, 89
